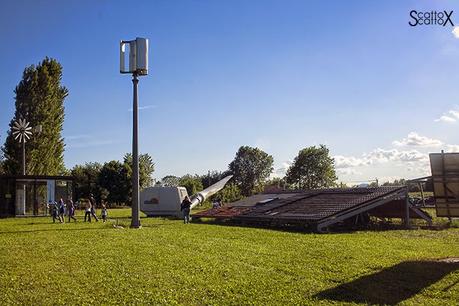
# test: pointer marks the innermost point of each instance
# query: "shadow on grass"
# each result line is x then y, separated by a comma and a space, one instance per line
392, 285
292, 228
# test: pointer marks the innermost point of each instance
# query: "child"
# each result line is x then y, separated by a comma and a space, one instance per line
104, 213
54, 212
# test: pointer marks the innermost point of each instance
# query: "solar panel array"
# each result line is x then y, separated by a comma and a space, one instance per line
308, 206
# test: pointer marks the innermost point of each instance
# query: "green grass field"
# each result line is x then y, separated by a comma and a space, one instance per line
167, 262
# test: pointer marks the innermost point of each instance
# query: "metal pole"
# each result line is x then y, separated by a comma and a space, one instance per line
407, 207
23, 208
135, 222
23, 158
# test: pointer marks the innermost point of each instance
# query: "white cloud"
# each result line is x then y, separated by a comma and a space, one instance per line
342, 162
347, 171
455, 32
414, 139
449, 117
452, 148
282, 170
446, 119
381, 156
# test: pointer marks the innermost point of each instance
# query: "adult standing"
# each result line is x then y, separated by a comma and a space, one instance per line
185, 207
71, 209
87, 211
93, 206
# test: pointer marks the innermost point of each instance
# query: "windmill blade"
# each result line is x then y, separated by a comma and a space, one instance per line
28, 128
17, 125
20, 137
15, 133
26, 124
28, 132
17, 136
26, 137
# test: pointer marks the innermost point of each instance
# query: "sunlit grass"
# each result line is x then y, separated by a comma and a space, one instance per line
168, 262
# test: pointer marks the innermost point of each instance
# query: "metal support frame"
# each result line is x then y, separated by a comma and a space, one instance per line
135, 222
445, 187
321, 225
407, 209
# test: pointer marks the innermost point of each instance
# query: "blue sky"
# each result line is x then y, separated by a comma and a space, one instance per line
280, 75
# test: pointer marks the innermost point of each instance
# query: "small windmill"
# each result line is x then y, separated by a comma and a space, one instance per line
22, 131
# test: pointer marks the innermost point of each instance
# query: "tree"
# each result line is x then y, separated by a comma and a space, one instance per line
40, 100
146, 169
170, 181
86, 180
251, 167
192, 183
312, 168
213, 177
113, 178
230, 193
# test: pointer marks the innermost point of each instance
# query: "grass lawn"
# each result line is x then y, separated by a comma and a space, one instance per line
167, 262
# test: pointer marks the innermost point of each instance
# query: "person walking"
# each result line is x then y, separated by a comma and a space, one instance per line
54, 212
61, 206
87, 212
71, 209
186, 207
93, 207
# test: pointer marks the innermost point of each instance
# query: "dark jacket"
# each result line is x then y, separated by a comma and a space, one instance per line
186, 204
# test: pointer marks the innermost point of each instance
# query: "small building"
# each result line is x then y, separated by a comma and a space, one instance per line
30, 195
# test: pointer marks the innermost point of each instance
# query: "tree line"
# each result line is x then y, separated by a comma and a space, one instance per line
39, 98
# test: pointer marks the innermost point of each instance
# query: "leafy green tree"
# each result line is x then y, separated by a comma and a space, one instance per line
170, 181
192, 183
211, 177
86, 180
312, 168
146, 169
40, 100
230, 193
251, 167
113, 178
275, 183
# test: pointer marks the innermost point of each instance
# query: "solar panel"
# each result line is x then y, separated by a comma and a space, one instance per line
445, 178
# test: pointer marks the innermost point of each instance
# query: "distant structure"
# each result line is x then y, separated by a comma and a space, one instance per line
165, 201
321, 208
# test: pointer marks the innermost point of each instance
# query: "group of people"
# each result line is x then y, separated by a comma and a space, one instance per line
60, 209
